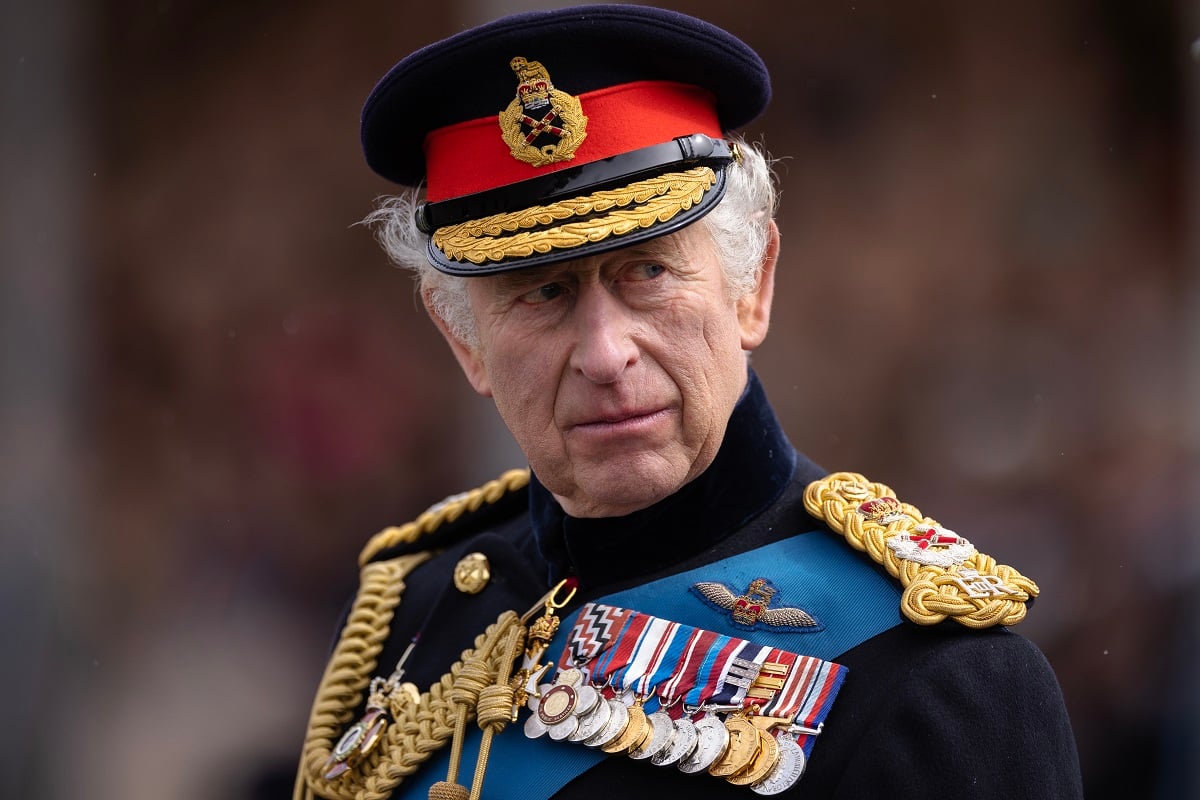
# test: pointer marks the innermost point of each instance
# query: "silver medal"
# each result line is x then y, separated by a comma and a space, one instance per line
662, 727
788, 768
712, 739
591, 723
682, 741
613, 728
534, 727
561, 730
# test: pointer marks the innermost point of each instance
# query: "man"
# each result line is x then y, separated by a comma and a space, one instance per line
671, 600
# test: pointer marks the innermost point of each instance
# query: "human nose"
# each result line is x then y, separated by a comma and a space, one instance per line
604, 347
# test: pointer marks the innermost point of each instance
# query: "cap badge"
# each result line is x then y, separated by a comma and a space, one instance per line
752, 609
541, 125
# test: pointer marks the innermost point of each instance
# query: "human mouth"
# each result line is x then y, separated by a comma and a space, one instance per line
620, 422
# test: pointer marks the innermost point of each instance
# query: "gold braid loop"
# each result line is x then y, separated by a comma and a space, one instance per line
417, 729
350, 668
942, 574
447, 510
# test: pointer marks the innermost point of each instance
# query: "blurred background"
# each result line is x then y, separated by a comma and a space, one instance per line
214, 388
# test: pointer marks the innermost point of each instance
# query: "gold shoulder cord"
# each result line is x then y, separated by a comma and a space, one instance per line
418, 729
943, 575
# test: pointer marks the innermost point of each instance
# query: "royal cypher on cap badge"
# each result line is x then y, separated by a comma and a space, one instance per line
542, 125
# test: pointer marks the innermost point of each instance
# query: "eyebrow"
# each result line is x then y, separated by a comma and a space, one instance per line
654, 248
515, 279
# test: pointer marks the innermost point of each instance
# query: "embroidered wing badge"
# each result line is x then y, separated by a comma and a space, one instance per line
541, 125
751, 610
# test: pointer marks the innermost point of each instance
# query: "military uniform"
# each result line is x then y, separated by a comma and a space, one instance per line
924, 710
767, 628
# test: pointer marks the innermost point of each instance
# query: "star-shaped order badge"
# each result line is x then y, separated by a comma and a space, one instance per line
751, 609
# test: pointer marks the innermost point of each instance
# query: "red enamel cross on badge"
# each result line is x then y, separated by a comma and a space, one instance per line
932, 545
541, 125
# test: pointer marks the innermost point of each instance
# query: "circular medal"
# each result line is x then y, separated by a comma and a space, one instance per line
763, 763
586, 700
636, 731
556, 704
591, 722
561, 730
358, 741
682, 741
534, 727
788, 768
662, 727
611, 729
743, 747
712, 737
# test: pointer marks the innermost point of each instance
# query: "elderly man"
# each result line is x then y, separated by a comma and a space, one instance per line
670, 600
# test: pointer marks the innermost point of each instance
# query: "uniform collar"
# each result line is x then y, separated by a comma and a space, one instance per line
751, 469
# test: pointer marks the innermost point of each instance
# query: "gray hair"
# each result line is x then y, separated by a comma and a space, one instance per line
739, 226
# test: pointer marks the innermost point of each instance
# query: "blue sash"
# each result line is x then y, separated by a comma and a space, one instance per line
850, 599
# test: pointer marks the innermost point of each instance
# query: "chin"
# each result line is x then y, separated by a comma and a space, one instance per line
621, 491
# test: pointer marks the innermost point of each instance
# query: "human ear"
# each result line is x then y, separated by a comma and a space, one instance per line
754, 310
468, 356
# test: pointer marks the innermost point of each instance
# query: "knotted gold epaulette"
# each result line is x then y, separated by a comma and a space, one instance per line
942, 573
447, 510
418, 728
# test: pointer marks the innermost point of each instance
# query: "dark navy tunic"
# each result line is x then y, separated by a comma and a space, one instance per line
938, 711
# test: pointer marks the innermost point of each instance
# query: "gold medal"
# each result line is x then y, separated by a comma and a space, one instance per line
763, 763
743, 747
635, 732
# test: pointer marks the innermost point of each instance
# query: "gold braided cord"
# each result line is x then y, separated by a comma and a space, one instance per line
447, 510
931, 593
612, 212
417, 729
351, 666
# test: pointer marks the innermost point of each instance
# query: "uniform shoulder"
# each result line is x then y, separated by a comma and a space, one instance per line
450, 519
942, 574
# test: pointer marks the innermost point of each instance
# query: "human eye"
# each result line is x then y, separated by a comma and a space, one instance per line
644, 271
542, 294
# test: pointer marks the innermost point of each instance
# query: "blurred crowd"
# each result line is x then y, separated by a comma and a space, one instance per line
215, 389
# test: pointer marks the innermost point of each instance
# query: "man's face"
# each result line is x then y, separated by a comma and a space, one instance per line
616, 373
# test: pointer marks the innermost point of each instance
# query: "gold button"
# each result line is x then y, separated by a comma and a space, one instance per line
472, 573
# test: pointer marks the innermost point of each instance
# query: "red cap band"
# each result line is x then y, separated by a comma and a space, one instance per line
471, 156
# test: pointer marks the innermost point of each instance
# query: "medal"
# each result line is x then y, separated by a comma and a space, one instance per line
789, 766
662, 728
712, 738
591, 723
678, 695
611, 729
743, 747
635, 732
362, 737
683, 741
762, 764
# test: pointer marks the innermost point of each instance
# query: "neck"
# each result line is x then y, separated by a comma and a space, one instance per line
751, 468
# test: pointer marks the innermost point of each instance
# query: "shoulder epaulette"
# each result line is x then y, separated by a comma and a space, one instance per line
942, 573
444, 512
